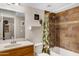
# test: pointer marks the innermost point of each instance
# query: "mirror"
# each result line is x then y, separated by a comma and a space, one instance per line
12, 25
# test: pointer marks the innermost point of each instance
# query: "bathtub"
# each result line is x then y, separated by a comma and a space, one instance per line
38, 50
57, 51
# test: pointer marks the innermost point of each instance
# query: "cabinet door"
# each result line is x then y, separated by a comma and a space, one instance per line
22, 51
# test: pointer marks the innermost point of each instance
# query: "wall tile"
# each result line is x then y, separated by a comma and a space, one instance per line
69, 30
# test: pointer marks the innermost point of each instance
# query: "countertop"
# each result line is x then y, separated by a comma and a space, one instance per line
8, 46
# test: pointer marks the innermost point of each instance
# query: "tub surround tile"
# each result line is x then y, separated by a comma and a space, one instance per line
64, 29
69, 30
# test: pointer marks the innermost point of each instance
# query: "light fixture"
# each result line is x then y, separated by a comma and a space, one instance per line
13, 3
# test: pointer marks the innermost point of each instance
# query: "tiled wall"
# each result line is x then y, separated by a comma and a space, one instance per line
69, 29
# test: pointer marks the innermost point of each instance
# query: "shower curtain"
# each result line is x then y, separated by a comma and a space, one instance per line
50, 31
45, 38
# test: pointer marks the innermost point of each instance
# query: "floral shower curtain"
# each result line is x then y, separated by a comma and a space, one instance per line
45, 38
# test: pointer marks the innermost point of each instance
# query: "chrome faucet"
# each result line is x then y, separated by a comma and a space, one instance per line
13, 41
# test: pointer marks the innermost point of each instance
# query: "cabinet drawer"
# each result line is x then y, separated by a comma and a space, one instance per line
4, 54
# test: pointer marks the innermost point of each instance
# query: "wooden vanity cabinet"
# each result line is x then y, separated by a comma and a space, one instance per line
21, 51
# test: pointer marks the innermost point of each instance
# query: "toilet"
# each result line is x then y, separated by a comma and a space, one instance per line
38, 50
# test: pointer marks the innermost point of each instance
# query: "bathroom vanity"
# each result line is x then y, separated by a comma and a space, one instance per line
24, 48
12, 34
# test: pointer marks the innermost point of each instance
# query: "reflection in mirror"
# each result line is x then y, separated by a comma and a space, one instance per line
12, 25
8, 28
1, 28
20, 25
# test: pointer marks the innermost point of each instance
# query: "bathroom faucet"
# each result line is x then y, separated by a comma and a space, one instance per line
13, 41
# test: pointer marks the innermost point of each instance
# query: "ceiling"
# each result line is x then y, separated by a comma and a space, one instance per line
53, 7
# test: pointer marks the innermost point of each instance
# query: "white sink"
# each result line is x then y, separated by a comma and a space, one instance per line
12, 45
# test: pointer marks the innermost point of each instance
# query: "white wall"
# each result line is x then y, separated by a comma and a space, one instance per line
35, 34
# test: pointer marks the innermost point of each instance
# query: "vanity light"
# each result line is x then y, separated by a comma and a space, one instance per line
13, 3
